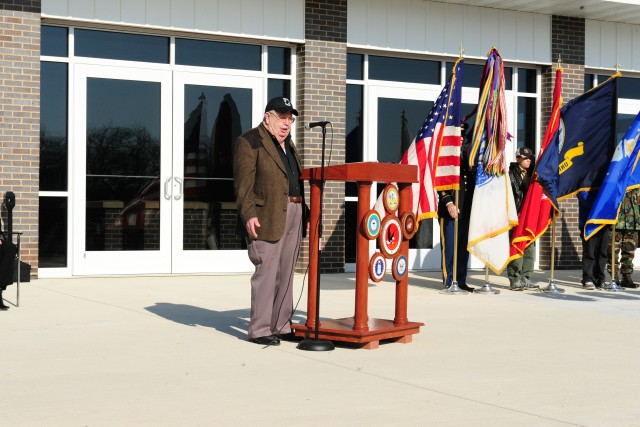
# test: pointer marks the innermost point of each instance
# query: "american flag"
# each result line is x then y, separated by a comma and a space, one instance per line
436, 148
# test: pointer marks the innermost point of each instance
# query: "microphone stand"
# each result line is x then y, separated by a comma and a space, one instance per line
318, 344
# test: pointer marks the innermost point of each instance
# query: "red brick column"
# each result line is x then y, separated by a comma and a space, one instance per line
568, 43
20, 119
321, 95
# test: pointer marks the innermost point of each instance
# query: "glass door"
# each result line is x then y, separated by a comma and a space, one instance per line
210, 112
397, 114
121, 154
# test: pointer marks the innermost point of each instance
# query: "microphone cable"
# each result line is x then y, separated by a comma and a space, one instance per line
289, 283
306, 272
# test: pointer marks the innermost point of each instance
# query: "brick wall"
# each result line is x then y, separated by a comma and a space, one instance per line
568, 45
20, 118
321, 95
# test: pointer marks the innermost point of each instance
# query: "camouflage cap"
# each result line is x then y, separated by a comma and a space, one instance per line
524, 152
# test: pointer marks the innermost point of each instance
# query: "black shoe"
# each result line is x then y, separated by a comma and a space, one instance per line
268, 340
290, 336
627, 282
466, 288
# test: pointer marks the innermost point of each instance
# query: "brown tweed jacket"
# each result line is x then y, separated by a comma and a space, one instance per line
261, 184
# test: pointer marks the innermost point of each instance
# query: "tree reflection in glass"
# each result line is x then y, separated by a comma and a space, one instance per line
122, 165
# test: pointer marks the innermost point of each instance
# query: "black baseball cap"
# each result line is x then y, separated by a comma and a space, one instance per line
524, 152
464, 127
281, 105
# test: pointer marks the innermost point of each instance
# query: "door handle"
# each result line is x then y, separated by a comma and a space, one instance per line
180, 186
167, 196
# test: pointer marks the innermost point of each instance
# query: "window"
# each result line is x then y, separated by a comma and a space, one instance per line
203, 53
53, 126
404, 70
123, 46
472, 74
54, 41
355, 66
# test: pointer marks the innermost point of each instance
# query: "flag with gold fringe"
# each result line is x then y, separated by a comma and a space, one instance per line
622, 176
580, 151
493, 210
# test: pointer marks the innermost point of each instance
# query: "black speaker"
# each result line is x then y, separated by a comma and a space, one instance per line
9, 200
25, 272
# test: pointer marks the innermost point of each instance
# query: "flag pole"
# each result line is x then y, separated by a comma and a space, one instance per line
553, 288
613, 286
486, 289
454, 289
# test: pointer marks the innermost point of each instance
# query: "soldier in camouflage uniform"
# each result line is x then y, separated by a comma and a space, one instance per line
627, 230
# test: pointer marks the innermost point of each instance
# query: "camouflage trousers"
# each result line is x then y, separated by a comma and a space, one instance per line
626, 244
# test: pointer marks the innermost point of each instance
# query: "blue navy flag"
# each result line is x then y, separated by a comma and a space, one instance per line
623, 175
580, 152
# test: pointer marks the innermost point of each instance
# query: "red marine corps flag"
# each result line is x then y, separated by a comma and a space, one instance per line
535, 213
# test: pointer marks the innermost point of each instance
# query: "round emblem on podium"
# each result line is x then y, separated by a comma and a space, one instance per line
390, 198
371, 224
408, 220
390, 236
377, 267
399, 267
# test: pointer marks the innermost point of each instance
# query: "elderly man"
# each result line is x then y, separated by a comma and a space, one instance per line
266, 170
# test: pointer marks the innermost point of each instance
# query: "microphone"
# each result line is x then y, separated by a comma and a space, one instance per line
315, 124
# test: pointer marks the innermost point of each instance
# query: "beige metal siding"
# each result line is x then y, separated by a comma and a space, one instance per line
439, 28
271, 19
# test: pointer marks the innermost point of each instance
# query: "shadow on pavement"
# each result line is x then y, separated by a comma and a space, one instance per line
232, 322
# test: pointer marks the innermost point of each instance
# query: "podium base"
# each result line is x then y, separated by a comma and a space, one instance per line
316, 345
342, 330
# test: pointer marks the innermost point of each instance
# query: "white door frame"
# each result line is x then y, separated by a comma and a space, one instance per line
116, 262
204, 261
419, 259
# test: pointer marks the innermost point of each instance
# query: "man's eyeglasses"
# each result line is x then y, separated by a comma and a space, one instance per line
292, 119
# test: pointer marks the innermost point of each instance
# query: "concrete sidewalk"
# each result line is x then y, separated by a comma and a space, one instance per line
172, 351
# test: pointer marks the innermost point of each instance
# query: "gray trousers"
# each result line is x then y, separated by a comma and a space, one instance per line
521, 268
272, 282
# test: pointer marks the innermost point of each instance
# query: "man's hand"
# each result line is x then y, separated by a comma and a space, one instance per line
453, 211
252, 225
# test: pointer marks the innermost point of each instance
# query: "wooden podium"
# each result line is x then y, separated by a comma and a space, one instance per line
359, 329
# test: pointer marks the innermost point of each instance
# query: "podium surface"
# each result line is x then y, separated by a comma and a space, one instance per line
358, 329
